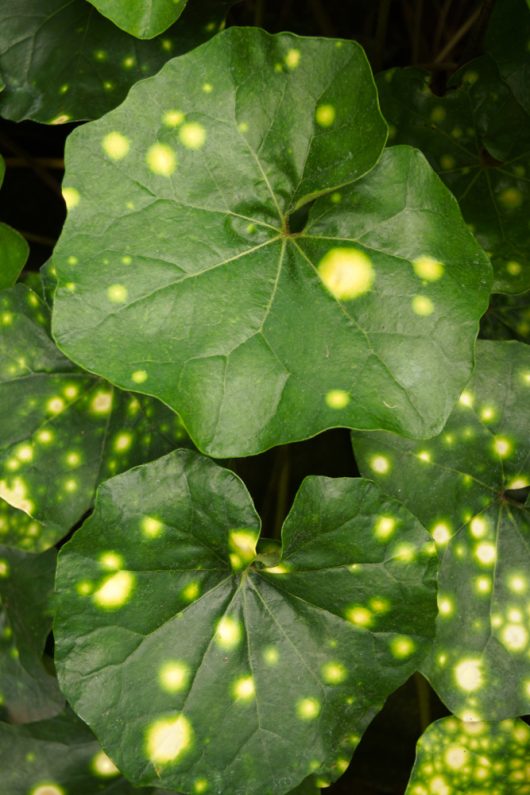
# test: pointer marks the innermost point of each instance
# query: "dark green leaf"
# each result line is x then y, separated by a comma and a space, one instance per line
61, 60
27, 690
467, 486
144, 20
477, 137
14, 250
472, 758
62, 431
507, 318
255, 334
506, 41
198, 667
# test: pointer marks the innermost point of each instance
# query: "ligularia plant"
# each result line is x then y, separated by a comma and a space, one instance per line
258, 250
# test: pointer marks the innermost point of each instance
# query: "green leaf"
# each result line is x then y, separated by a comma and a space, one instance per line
472, 758
14, 250
467, 486
477, 137
140, 19
507, 42
508, 317
57, 757
236, 672
63, 61
27, 690
257, 333
62, 431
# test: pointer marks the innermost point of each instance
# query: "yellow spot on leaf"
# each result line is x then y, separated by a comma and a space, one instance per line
139, 376
469, 675
174, 676
402, 646
111, 560
325, 115
116, 145
122, 441
192, 135
502, 446
244, 688
511, 198
228, 633
242, 545
271, 655
428, 268
151, 527
117, 293
16, 495
168, 738
380, 464
172, 118
359, 616
308, 708
422, 305
103, 766
346, 272
441, 532
101, 403
384, 527
161, 159
47, 788
115, 590
333, 673
71, 197
292, 59
337, 398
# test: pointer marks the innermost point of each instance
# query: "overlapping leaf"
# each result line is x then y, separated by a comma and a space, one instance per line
506, 41
28, 692
62, 431
62, 61
255, 332
467, 486
472, 758
477, 137
14, 250
507, 318
144, 20
215, 668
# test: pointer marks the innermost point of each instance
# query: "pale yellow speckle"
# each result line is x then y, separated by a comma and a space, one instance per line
16, 495
242, 545
334, 673
502, 446
478, 526
103, 766
128, 62
359, 616
422, 305
466, 399
271, 655
115, 590
469, 675
168, 738
243, 127
518, 482
71, 391
428, 268
337, 398
308, 708
438, 114
325, 115
191, 591
244, 688
117, 293
514, 637
346, 272
486, 553
71, 197
380, 464
402, 646
139, 376
48, 788
126, 260
446, 605
207, 88
101, 403
514, 268
441, 532
161, 159
517, 583
115, 145
425, 456
384, 527
192, 135
151, 527
200, 785
292, 59
4, 568
55, 405
111, 560
84, 588
487, 413
122, 441
24, 452
511, 198
172, 118
228, 633
447, 162
173, 676
456, 757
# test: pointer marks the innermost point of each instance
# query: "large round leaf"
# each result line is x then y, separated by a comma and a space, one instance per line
62, 431
14, 250
454, 757
477, 136
144, 20
467, 486
256, 333
27, 690
61, 60
201, 667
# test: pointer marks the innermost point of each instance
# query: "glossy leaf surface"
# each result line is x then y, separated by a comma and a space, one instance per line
468, 487
216, 669
472, 758
141, 19
28, 692
63, 61
477, 137
256, 332
62, 431
14, 250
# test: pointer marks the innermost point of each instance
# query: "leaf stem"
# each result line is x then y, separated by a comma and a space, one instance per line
284, 475
424, 700
459, 34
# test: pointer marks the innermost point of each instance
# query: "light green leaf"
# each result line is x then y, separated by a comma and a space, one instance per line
259, 334
467, 487
144, 20
27, 690
57, 757
62, 431
61, 60
14, 250
236, 672
477, 137
472, 758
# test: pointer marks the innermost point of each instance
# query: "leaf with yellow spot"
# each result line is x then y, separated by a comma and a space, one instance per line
62, 431
138, 19
454, 757
469, 487
272, 654
257, 331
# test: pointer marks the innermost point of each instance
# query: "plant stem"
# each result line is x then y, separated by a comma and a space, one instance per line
459, 34
424, 700
380, 32
417, 32
46, 162
284, 475
33, 237
39, 170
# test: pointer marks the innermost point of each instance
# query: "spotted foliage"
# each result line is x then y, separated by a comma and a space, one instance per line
62, 431
63, 61
27, 690
238, 669
468, 487
507, 318
472, 758
140, 19
477, 137
13, 248
256, 332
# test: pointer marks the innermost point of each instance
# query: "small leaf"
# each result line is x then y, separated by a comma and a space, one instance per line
256, 333
472, 758
477, 137
62, 431
140, 20
62, 61
467, 486
27, 691
235, 671
57, 757
14, 250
